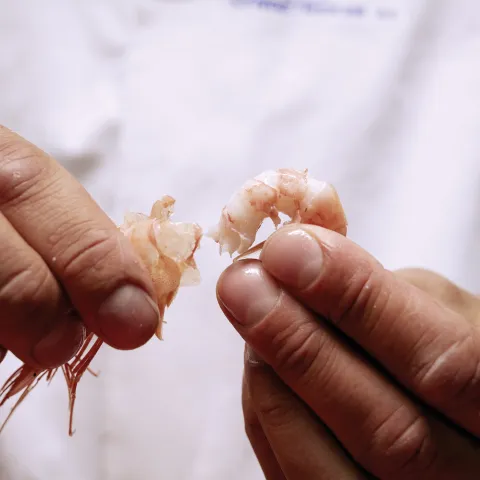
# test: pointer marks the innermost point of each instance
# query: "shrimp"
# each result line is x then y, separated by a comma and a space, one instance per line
167, 250
291, 192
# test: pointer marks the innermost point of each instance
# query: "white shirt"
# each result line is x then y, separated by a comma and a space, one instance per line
142, 98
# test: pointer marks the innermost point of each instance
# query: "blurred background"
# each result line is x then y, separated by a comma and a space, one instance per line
140, 98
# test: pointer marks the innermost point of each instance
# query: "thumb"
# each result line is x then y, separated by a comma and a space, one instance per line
428, 347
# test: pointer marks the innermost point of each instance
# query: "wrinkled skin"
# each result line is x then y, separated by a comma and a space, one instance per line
71, 280
66, 268
352, 371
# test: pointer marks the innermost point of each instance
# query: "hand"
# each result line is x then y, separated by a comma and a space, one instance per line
352, 370
61, 254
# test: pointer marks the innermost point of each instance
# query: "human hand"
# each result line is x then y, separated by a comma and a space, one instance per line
352, 370
64, 264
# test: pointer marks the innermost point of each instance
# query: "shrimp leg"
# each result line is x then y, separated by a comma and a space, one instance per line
80, 366
24, 378
251, 250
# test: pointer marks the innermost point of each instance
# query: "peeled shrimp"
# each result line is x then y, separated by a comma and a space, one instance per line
291, 192
167, 249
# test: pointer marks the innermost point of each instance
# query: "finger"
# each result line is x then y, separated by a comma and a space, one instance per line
303, 446
87, 253
431, 349
443, 291
378, 425
3, 354
264, 453
34, 321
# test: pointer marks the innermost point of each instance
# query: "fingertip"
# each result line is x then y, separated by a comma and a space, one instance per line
294, 256
231, 273
247, 292
128, 318
231, 278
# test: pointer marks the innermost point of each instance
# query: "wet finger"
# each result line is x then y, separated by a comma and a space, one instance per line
34, 321
259, 442
385, 431
94, 262
304, 448
430, 348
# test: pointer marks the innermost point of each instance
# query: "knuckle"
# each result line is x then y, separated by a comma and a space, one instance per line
362, 298
453, 377
400, 449
435, 285
21, 166
297, 351
274, 412
28, 289
83, 251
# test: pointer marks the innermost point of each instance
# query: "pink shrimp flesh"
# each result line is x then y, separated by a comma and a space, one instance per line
291, 192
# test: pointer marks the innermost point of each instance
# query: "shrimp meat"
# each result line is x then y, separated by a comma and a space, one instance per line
287, 191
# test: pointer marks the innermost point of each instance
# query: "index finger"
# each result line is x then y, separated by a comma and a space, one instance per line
431, 349
90, 257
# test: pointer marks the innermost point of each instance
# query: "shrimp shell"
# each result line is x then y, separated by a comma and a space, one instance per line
291, 192
167, 250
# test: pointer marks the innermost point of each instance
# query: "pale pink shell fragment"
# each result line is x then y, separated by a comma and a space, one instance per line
166, 248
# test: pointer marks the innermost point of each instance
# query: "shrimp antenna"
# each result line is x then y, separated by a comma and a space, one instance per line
249, 252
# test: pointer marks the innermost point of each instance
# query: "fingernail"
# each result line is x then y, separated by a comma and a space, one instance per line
294, 257
252, 357
247, 292
61, 344
128, 318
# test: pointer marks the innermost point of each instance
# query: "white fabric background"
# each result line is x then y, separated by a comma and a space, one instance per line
191, 98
